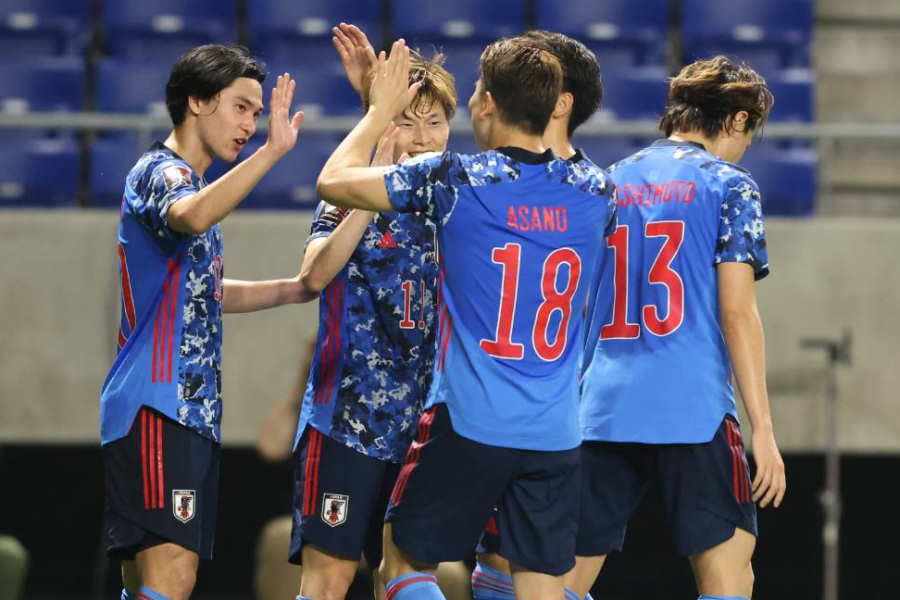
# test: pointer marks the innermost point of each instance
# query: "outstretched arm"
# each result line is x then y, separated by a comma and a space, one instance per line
195, 214
326, 256
744, 337
250, 296
346, 180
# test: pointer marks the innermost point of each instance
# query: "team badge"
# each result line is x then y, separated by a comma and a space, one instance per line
176, 176
184, 504
334, 509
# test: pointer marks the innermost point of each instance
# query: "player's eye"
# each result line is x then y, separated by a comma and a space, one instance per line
241, 107
406, 125
435, 123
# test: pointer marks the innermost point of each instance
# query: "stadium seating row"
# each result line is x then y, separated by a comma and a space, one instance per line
58, 83
47, 172
769, 33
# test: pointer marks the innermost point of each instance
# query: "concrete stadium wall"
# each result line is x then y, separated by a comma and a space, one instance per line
59, 307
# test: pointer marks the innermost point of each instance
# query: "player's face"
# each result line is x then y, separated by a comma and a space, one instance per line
480, 122
425, 130
230, 121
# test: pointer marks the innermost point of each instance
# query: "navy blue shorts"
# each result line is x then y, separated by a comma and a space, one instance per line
340, 497
450, 485
705, 490
162, 486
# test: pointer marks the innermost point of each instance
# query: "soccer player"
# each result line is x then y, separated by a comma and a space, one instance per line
657, 403
377, 273
580, 98
160, 406
518, 231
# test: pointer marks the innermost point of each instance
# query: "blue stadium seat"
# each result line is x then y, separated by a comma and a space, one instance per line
37, 172
793, 91
42, 27
40, 84
638, 93
461, 19
111, 160
319, 90
132, 87
621, 32
461, 60
291, 184
786, 178
764, 33
289, 30
161, 30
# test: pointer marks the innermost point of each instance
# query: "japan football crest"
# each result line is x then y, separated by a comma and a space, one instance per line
184, 504
334, 509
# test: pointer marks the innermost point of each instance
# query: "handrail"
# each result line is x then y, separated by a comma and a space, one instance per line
95, 121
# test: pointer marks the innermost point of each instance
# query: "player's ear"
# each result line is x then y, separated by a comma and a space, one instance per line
564, 104
488, 106
202, 107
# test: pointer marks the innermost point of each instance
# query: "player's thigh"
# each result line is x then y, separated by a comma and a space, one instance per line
530, 585
454, 579
613, 479
538, 512
706, 490
336, 496
446, 491
725, 569
169, 569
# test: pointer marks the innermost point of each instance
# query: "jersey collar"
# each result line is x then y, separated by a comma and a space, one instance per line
668, 142
526, 156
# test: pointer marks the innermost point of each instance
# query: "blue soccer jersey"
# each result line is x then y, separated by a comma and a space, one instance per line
372, 367
520, 236
657, 367
171, 326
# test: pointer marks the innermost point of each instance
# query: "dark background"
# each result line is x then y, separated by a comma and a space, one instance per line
52, 499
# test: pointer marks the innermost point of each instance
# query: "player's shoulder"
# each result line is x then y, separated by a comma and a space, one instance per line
160, 165
583, 174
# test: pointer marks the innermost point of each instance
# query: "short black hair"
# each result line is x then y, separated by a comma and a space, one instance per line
581, 73
204, 71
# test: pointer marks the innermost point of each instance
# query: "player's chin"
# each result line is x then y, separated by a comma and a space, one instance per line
231, 153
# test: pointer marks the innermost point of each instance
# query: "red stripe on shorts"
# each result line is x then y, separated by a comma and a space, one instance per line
145, 476
160, 480
311, 478
413, 455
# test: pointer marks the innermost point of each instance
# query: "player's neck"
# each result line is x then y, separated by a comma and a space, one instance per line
503, 136
188, 145
694, 136
556, 137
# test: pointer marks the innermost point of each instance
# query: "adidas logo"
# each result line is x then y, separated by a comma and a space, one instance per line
387, 241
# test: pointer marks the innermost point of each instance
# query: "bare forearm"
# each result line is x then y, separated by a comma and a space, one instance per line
325, 257
250, 296
346, 180
213, 203
745, 339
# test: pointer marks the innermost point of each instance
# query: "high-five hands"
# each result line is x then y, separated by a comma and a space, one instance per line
356, 52
283, 129
391, 92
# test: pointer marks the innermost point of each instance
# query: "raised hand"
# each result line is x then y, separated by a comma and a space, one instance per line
283, 129
391, 92
384, 152
356, 52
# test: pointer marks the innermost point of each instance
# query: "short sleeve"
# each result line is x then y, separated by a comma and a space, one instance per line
325, 220
742, 234
169, 181
425, 184
613, 221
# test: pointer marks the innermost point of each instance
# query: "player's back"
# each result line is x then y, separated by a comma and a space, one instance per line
520, 237
657, 368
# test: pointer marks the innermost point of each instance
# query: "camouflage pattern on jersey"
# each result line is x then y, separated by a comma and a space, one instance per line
160, 178
486, 168
387, 327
